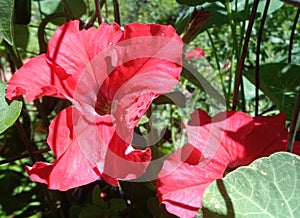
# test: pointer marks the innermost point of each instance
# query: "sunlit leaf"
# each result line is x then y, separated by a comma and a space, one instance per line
280, 82
9, 112
269, 187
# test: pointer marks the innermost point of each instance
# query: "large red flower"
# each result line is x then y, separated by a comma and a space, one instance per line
111, 78
216, 144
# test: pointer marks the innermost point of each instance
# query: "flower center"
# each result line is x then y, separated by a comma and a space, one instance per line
103, 107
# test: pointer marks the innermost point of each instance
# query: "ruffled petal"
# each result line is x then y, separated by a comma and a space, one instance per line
182, 181
225, 141
71, 168
223, 131
124, 162
71, 49
148, 64
34, 79
268, 135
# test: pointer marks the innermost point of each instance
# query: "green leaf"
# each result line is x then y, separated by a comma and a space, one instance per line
269, 187
274, 6
22, 13
9, 112
21, 36
6, 13
280, 82
97, 200
193, 76
92, 211
116, 205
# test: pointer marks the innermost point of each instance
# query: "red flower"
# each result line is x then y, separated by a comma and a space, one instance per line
194, 54
110, 77
223, 142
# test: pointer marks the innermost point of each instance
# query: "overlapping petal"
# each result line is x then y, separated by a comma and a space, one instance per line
71, 168
223, 142
34, 80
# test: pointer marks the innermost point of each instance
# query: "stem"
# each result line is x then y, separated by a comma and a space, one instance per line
259, 39
42, 27
233, 28
293, 36
117, 12
243, 56
294, 123
25, 140
243, 106
214, 51
98, 10
24, 155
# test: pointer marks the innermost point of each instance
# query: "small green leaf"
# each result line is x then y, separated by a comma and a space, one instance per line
116, 205
280, 82
9, 112
269, 187
6, 13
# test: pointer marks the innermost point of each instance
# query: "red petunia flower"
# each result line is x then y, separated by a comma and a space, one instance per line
111, 78
216, 144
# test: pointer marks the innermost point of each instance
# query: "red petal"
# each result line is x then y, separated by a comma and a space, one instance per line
70, 50
296, 147
34, 79
71, 168
210, 134
134, 30
149, 65
269, 135
194, 54
181, 185
227, 140
96, 138
124, 162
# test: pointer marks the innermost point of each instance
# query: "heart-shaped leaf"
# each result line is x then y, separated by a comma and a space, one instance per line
269, 187
9, 112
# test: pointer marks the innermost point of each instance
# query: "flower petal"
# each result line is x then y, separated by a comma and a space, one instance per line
269, 135
124, 162
34, 79
182, 190
71, 168
209, 134
70, 49
194, 54
225, 141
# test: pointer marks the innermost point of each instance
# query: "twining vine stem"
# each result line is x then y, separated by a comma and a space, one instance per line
259, 39
239, 75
